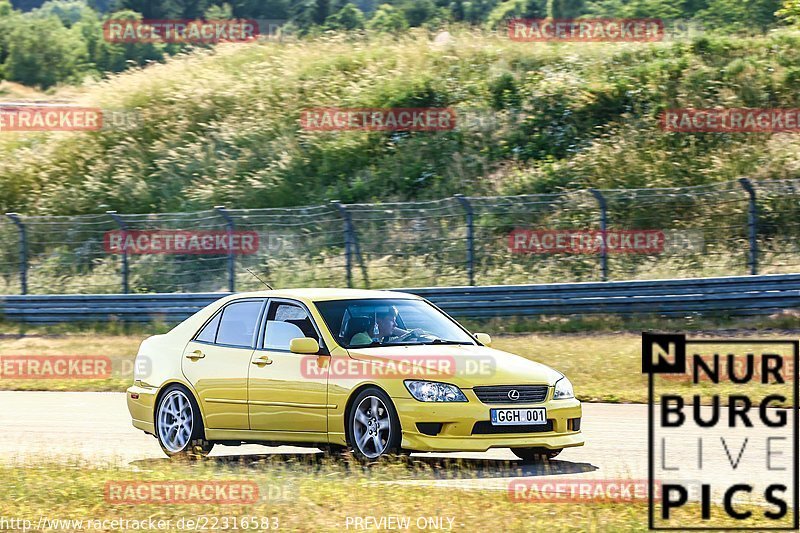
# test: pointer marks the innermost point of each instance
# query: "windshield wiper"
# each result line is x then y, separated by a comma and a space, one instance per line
376, 344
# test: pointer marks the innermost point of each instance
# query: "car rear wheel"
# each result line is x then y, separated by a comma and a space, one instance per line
535, 455
373, 425
179, 426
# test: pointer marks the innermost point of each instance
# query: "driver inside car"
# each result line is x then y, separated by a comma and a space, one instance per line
386, 318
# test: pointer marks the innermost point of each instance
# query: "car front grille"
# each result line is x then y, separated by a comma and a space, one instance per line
500, 393
485, 427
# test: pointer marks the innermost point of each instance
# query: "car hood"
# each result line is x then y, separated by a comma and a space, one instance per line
462, 365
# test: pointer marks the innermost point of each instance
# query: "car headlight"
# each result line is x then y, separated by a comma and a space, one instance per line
563, 389
432, 391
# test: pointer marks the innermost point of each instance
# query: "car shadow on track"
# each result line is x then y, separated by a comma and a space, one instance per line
418, 466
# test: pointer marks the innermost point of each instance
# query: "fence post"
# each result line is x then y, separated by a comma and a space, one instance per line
752, 225
464, 201
601, 200
348, 240
230, 227
350, 245
23, 251
124, 228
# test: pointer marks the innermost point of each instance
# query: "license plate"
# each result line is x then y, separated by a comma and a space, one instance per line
519, 417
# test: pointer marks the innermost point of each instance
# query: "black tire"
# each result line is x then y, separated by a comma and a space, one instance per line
196, 446
535, 455
390, 440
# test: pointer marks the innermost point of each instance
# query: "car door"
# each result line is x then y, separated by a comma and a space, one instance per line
217, 360
288, 391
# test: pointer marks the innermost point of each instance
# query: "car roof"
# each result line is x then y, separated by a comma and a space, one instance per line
326, 294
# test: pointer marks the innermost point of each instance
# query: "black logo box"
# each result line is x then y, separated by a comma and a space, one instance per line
678, 366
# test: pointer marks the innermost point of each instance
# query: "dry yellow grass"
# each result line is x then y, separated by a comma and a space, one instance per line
603, 367
320, 495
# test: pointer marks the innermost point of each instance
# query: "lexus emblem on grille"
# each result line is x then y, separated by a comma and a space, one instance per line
513, 395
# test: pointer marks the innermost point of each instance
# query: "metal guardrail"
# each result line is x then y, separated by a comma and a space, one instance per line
732, 296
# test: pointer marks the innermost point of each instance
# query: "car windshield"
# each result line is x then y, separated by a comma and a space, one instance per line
389, 322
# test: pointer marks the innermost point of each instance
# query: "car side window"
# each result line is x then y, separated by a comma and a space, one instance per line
209, 333
239, 323
285, 322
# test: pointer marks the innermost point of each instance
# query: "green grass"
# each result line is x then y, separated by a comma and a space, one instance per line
317, 495
221, 126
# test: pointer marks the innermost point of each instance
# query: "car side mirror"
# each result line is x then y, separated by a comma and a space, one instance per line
305, 345
484, 338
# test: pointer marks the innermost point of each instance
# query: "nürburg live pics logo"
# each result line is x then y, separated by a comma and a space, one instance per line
723, 433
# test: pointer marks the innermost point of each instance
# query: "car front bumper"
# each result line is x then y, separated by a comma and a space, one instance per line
458, 425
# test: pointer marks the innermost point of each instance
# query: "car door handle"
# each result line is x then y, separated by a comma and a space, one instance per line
195, 355
263, 360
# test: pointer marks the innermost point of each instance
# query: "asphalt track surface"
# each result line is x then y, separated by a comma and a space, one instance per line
95, 427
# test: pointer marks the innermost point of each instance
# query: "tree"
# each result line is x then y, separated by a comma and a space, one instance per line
748, 15
473, 11
790, 11
347, 18
387, 19
307, 13
166, 9
215, 12
261, 9
68, 11
417, 12
116, 57
42, 52
516, 9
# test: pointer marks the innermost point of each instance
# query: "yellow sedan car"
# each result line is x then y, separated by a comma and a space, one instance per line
378, 372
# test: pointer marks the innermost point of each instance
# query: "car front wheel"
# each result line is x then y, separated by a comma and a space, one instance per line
179, 426
535, 455
373, 425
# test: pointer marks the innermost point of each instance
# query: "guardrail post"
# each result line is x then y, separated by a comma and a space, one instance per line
230, 227
124, 228
601, 200
464, 201
752, 225
23, 251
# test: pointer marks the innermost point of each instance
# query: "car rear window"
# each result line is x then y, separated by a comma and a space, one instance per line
239, 323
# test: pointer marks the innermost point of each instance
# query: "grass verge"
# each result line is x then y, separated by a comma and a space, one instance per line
603, 367
317, 494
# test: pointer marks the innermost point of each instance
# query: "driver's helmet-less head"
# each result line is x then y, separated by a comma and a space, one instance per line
386, 311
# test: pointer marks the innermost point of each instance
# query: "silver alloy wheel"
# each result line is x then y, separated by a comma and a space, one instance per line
372, 427
175, 421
